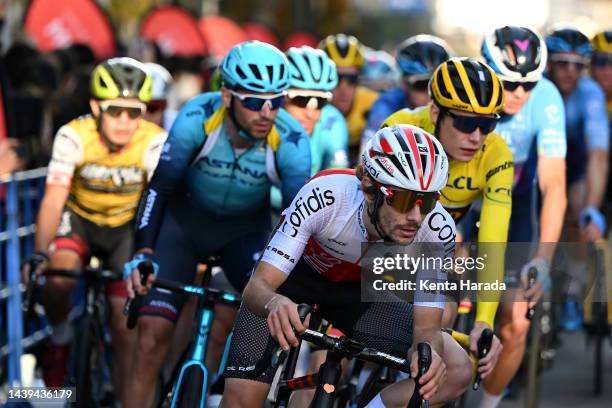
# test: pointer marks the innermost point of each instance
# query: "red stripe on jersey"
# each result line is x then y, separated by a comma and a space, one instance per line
328, 265
350, 172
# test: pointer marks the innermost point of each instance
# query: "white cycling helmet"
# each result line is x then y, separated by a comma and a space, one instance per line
516, 54
161, 81
406, 157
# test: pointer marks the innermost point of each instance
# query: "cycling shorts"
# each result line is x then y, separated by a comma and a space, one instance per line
386, 326
112, 245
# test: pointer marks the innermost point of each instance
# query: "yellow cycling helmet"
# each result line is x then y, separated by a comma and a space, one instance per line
121, 78
344, 50
467, 84
602, 42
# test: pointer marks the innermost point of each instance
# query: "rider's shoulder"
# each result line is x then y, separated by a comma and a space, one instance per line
288, 127
587, 87
439, 225
418, 116
201, 106
495, 147
330, 116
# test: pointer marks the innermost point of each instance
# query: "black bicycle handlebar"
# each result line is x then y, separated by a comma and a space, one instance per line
133, 304
484, 346
532, 276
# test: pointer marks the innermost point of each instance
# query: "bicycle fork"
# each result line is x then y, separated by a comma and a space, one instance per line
196, 357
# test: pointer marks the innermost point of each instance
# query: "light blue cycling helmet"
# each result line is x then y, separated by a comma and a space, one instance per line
311, 69
255, 66
568, 39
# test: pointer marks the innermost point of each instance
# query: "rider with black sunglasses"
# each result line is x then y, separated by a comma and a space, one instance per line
467, 97
533, 126
417, 57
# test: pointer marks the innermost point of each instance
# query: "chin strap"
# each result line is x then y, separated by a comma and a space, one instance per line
373, 214
241, 131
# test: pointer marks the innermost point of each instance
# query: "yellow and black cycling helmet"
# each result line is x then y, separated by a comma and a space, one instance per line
121, 78
602, 42
344, 50
468, 85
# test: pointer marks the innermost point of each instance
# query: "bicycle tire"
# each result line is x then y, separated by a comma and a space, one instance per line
532, 387
600, 319
85, 342
191, 390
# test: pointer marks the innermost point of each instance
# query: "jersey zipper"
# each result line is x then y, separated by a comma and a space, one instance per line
234, 165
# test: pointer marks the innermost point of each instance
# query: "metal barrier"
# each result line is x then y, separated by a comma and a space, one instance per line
20, 195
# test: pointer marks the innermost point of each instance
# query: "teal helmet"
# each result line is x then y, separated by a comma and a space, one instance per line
255, 66
311, 69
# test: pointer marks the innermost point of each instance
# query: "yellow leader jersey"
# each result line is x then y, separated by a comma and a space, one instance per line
357, 118
105, 186
488, 175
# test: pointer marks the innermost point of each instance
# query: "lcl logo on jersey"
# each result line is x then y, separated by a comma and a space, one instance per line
462, 183
304, 207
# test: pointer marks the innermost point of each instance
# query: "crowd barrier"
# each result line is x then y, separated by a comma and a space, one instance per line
20, 195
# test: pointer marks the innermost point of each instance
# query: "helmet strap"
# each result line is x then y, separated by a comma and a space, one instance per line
241, 130
439, 121
373, 215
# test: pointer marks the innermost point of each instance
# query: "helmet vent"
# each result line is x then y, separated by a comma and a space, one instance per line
240, 73
255, 71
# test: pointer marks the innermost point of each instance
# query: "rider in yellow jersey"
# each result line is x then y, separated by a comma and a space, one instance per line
100, 165
353, 100
467, 96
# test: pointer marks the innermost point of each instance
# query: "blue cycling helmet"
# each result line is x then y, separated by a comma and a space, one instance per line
311, 69
380, 70
421, 54
568, 39
255, 66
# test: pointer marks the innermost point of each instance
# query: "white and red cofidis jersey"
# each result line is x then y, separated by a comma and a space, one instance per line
324, 226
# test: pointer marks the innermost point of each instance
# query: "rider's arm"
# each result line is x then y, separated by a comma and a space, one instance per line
551, 179
549, 114
596, 129
494, 224
67, 153
177, 153
49, 215
427, 327
262, 287
292, 157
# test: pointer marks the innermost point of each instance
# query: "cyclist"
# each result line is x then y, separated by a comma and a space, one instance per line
157, 108
210, 195
379, 71
533, 126
466, 98
314, 257
353, 100
99, 167
417, 57
313, 78
588, 134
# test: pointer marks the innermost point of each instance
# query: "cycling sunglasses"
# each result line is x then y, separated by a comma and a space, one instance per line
352, 79
567, 62
308, 101
468, 124
258, 102
404, 201
513, 86
115, 110
602, 60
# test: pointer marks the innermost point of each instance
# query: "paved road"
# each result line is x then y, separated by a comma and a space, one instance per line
569, 382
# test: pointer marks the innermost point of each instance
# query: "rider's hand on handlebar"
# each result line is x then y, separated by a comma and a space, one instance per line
487, 363
39, 260
433, 378
543, 279
132, 275
283, 319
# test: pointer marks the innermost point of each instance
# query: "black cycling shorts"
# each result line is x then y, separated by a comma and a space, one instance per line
386, 326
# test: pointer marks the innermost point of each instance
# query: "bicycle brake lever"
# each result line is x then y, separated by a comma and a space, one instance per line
484, 346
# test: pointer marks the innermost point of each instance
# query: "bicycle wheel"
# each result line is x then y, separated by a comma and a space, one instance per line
532, 388
192, 389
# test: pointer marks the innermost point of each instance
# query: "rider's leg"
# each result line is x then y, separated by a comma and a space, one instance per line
513, 334
124, 345
241, 393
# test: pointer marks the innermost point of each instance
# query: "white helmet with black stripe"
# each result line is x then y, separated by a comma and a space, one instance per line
406, 157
